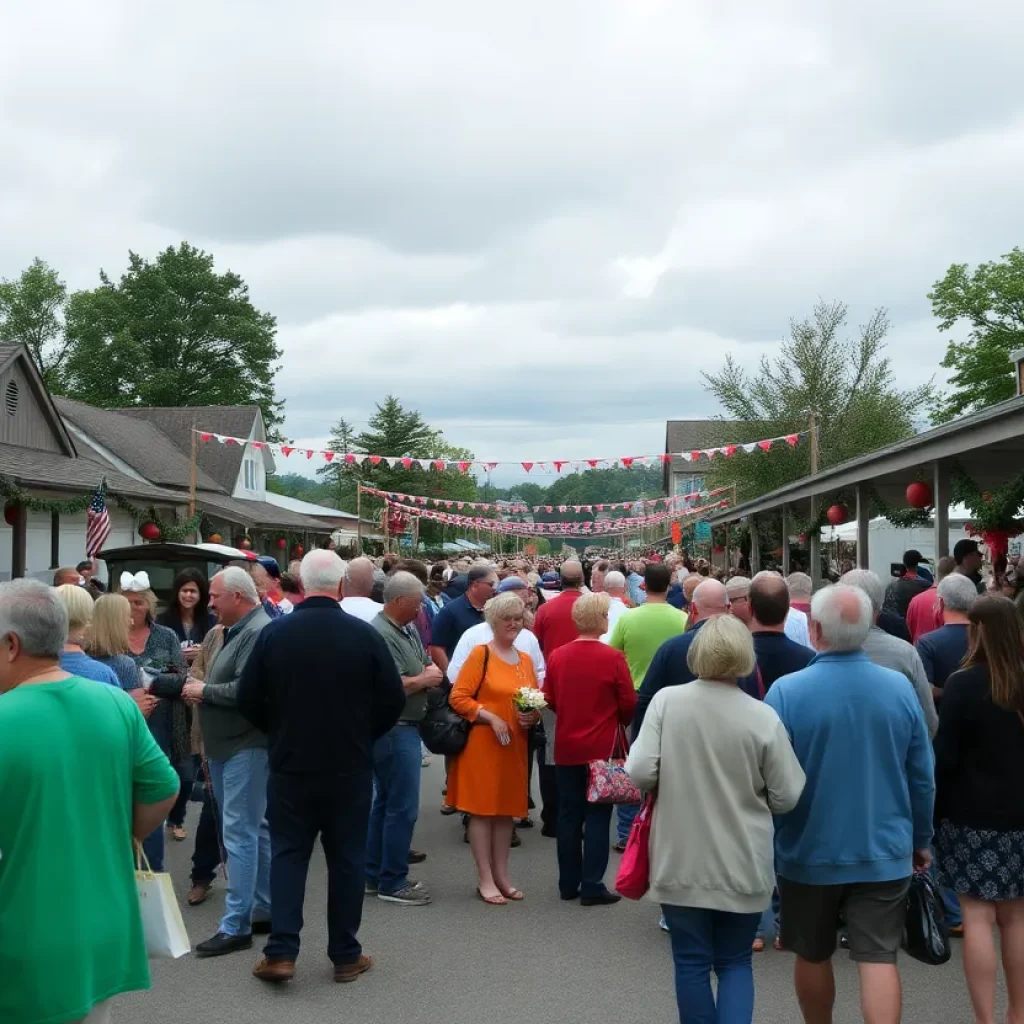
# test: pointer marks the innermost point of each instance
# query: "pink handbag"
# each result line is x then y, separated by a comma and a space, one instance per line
634, 877
607, 781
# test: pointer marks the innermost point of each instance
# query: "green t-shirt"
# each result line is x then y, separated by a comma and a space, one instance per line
74, 758
410, 659
639, 633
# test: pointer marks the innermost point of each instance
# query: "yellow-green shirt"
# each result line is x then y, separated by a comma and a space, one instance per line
639, 633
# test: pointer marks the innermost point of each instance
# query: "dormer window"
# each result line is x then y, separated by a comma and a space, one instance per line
250, 474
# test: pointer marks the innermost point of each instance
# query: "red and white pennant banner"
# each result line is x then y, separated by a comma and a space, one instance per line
592, 527
465, 465
512, 508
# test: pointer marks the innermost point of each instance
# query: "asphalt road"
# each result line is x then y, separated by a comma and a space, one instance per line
460, 962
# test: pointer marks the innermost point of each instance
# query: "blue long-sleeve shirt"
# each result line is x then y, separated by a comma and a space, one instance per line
669, 668
861, 739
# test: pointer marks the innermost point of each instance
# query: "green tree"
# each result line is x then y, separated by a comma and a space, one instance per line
32, 314
991, 301
396, 431
172, 332
295, 485
848, 384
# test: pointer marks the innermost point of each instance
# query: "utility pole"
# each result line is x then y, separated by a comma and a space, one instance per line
192, 475
814, 541
359, 519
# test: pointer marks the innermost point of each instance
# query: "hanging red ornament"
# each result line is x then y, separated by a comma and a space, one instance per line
298, 551
149, 531
214, 538
282, 542
244, 544
802, 538
919, 495
837, 515
11, 511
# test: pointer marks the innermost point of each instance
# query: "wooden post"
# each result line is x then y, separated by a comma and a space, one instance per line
814, 540
359, 519
863, 529
940, 495
785, 540
19, 543
755, 548
192, 474
55, 541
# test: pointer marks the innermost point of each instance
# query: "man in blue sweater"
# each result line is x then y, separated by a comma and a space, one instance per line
864, 821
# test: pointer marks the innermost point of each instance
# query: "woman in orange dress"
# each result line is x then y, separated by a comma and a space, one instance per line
488, 780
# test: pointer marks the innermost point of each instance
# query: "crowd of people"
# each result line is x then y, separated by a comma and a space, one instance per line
826, 747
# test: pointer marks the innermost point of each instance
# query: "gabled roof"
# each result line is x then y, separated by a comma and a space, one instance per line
136, 442
221, 461
10, 353
30, 468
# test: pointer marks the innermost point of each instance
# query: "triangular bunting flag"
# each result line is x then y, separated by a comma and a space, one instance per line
205, 437
350, 458
286, 451
375, 460
792, 440
527, 466
764, 445
592, 463
464, 467
328, 456
440, 464
729, 449
558, 466
626, 462
407, 462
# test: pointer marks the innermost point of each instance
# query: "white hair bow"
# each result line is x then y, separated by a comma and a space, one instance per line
140, 581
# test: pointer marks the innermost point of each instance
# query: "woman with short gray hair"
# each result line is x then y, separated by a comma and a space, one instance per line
722, 765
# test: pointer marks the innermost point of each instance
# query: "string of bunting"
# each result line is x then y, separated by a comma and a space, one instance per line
602, 527
465, 465
513, 508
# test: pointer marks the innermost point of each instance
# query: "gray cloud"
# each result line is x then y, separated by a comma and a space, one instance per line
539, 222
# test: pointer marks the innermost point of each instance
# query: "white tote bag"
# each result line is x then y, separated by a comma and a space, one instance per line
161, 916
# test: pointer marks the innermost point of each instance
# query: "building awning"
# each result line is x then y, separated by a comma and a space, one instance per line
258, 514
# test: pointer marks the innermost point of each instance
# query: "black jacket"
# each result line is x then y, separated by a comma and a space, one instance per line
324, 687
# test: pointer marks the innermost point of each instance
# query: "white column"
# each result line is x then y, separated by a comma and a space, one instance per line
863, 524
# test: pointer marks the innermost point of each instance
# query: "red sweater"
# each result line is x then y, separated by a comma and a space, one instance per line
553, 625
589, 688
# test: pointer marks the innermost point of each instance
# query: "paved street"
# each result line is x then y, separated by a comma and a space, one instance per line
461, 962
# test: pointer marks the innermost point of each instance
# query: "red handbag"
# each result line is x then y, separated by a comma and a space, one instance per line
607, 781
634, 877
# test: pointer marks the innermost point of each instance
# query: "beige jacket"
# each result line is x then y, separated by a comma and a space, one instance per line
722, 765
211, 645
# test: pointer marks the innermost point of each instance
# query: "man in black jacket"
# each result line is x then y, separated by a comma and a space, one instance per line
324, 687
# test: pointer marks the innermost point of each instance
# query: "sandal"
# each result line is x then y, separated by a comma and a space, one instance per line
758, 946
492, 901
777, 944
513, 894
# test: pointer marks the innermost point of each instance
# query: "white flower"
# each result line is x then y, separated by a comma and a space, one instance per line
527, 698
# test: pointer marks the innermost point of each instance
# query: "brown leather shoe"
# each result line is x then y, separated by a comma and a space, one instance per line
275, 970
349, 972
198, 893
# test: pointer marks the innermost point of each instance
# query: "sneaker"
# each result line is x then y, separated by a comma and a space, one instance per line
410, 882
426, 761
410, 896
603, 899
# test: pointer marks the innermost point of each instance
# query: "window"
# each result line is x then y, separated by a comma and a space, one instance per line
687, 483
11, 397
250, 474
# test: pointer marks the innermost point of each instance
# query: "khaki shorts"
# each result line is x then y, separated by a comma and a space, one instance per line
874, 913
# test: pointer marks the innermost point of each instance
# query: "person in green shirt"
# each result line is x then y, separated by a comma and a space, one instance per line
81, 777
639, 633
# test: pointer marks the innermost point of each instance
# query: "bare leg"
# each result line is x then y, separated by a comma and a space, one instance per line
1010, 918
881, 996
980, 957
480, 842
501, 844
815, 990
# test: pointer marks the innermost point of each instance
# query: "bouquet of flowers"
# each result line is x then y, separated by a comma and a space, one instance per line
528, 698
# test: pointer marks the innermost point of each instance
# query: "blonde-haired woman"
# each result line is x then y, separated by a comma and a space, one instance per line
78, 604
588, 686
111, 620
722, 765
487, 780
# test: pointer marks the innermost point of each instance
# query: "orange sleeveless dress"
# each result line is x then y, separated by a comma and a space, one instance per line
487, 779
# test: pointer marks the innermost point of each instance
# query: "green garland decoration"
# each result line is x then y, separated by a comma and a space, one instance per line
991, 511
170, 532
901, 517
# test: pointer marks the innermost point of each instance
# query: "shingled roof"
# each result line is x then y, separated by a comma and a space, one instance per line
694, 435
221, 461
259, 513
138, 443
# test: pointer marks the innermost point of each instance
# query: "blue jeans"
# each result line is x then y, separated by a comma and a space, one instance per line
583, 830
240, 789
396, 804
706, 940
624, 815
769, 924
153, 848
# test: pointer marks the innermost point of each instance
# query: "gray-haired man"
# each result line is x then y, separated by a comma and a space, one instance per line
396, 755
237, 755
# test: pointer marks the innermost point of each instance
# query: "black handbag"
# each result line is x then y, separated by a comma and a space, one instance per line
925, 932
442, 730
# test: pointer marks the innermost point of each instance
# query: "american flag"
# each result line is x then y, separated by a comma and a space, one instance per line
98, 529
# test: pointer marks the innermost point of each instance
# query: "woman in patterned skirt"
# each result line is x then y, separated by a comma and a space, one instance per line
979, 811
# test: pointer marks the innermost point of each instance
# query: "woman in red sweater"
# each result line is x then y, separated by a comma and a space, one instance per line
589, 688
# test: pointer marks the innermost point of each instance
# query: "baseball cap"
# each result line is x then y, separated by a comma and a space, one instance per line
913, 557
511, 583
270, 564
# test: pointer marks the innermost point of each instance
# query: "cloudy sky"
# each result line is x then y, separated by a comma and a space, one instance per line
536, 222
